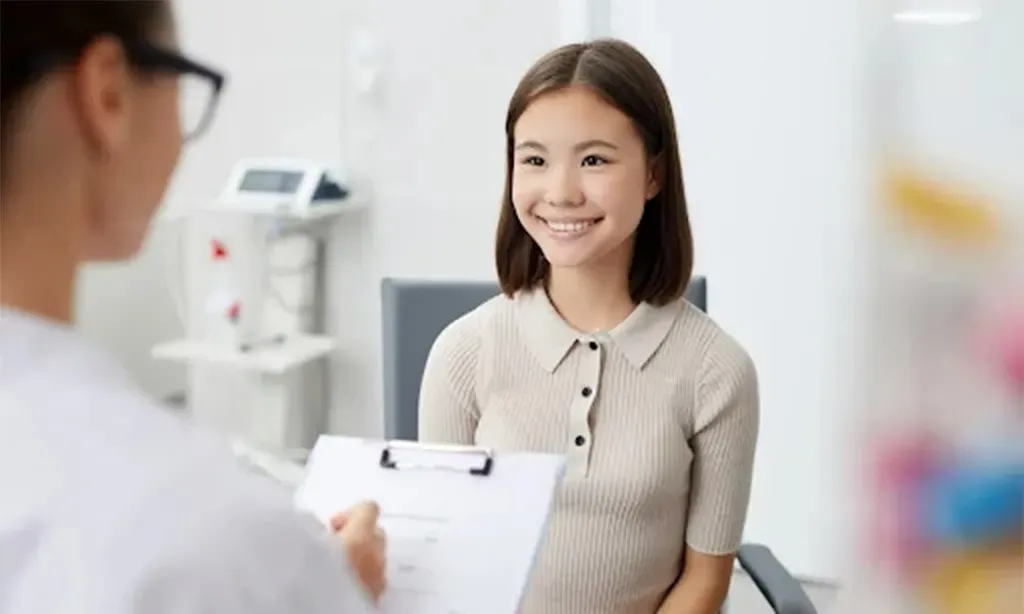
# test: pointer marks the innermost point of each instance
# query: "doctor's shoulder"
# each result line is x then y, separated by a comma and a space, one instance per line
162, 518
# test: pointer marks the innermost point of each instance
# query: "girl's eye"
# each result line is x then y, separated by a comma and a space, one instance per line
533, 161
593, 160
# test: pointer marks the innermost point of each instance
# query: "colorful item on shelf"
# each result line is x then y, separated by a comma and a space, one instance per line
969, 532
973, 503
1008, 349
945, 348
924, 204
975, 582
904, 467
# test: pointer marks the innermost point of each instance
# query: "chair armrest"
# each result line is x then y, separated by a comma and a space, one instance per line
782, 591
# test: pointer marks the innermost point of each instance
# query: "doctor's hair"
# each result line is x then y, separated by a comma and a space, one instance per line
40, 37
620, 75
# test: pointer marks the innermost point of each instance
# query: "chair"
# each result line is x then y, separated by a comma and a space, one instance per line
415, 312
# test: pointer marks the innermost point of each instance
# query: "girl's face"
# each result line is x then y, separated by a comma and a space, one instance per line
580, 178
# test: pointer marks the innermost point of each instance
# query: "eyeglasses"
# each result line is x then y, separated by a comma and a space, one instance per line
199, 86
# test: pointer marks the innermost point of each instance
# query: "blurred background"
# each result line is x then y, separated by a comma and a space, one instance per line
777, 110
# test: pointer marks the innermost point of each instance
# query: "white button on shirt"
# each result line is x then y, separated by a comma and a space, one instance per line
112, 505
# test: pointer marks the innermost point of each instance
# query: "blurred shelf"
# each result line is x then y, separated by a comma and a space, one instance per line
278, 358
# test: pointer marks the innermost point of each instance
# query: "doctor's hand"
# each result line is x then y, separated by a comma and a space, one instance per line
365, 544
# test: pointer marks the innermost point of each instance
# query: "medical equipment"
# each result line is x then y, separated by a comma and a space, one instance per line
257, 302
265, 202
291, 187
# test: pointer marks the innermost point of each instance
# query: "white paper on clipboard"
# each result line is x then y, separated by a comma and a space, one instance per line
463, 525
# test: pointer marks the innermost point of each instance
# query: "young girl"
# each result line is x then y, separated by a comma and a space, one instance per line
593, 352
109, 503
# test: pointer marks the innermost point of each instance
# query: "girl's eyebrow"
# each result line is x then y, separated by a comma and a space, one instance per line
588, 144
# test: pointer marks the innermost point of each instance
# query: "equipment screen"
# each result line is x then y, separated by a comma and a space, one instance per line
277, 182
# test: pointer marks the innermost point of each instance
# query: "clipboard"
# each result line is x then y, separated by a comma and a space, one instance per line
464, 524
482, 458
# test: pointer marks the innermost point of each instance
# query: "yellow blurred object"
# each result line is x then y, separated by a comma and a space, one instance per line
976, 583
941, 210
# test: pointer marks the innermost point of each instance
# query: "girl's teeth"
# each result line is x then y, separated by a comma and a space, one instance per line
569, 227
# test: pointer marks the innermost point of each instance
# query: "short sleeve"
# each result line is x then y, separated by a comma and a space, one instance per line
243, 551
724, 441
448, 411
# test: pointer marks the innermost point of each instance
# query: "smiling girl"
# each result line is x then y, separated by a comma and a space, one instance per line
592, 351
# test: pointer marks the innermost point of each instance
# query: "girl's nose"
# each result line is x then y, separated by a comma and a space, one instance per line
564, 190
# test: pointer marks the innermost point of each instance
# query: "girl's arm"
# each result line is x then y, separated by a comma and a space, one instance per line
725, 437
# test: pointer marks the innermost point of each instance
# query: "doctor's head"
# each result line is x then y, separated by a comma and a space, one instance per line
593, 178
91, 126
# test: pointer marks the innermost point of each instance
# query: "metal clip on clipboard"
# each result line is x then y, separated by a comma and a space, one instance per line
483, 468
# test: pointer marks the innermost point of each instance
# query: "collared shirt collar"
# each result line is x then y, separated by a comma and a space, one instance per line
550, 338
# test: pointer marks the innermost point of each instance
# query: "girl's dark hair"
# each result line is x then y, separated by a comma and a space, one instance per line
33, 33
622, 76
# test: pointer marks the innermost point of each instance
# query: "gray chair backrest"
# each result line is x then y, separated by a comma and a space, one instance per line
414, 314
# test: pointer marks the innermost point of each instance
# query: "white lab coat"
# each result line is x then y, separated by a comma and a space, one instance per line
109, 504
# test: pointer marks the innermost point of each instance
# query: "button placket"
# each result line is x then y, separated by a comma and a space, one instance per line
588, 376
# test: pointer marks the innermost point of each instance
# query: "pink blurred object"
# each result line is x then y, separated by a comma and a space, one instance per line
1010, 351
1004, 345
903, 466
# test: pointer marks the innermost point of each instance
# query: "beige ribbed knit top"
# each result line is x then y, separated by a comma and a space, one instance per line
657, 418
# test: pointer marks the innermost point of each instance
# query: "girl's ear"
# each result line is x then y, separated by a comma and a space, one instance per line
655, 175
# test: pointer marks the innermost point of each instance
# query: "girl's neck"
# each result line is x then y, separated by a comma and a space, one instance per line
591, 299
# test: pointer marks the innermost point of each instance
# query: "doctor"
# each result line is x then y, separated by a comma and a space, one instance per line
108, 503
